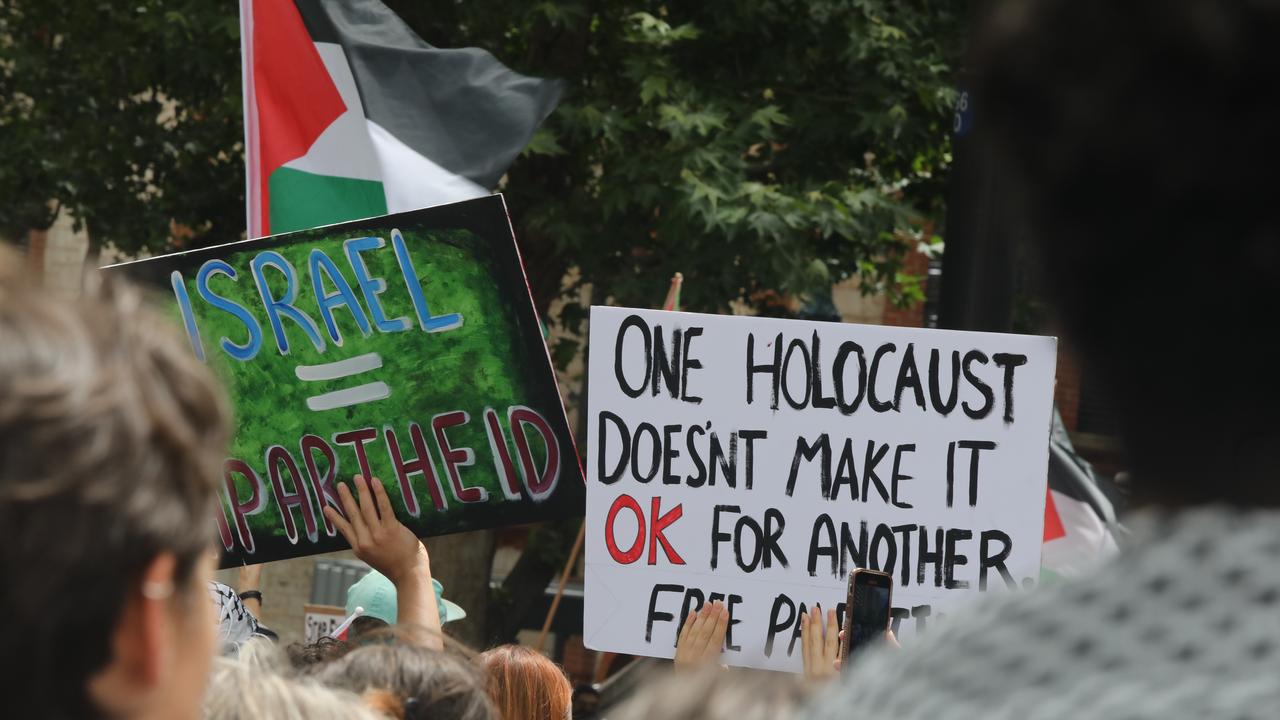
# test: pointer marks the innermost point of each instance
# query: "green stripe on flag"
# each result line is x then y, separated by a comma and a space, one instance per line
302, 200
1049, 577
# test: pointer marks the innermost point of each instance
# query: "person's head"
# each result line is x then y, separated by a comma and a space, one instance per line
524, 684
364, 625
255, 687
427, 684
710, 693
1142, 143
308, 656
111, 442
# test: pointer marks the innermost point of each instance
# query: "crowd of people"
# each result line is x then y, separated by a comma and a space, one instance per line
1141, 135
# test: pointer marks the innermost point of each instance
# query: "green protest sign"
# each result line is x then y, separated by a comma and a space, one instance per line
404, 347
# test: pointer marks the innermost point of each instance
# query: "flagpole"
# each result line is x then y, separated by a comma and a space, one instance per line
673, 293
564, 580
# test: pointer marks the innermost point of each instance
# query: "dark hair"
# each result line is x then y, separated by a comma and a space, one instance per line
429, 683
111, 442
307, 656
1142, 138
364, 625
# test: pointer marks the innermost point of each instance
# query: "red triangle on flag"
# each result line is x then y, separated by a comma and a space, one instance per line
1053, 528
291, 98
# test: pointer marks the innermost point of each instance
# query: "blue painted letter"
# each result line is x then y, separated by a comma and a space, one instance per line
283, 306
425, 320
370, 286
343, 295
251, 347
188, 318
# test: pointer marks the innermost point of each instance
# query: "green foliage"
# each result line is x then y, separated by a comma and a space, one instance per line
126, 114
761, 147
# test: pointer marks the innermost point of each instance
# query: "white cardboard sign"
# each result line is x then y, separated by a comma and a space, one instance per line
758, 461
320, 621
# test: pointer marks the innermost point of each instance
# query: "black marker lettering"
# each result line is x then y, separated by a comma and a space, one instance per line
687, 364
630, 322
878, 405
988, 399
753, 368
1010, 363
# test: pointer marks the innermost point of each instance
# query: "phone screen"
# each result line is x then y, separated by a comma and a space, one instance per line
869, 610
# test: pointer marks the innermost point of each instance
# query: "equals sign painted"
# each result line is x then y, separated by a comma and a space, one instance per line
358, 395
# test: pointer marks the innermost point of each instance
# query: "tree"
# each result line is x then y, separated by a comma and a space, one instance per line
756, 146
128, 116
764, 148
761, 147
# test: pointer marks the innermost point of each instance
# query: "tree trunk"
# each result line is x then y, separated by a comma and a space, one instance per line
462, 563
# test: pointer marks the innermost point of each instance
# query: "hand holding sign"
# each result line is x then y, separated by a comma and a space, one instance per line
375, 534
702, 636
389, 547
820, 645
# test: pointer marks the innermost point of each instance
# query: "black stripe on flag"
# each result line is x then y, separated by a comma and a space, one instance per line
461, 108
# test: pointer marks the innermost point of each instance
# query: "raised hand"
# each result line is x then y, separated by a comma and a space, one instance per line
702, 635
375, 534
820, 644
380, 539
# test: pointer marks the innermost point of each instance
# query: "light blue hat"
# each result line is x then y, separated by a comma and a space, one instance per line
377, 595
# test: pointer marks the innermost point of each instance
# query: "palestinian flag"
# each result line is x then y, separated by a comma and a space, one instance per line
1080, 524
349, 114
673, 293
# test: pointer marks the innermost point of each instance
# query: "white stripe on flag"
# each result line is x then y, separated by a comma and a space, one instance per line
343, 149
412, 181
355, 147
1088, 541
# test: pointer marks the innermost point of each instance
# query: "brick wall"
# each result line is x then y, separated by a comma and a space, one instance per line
578, 661
915, 263
1067, 391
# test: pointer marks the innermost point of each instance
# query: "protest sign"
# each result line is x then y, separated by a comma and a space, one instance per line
320, 621
404, 347
759, 461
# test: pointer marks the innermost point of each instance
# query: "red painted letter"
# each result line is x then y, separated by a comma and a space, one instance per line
455, 458
660, 523
637, 548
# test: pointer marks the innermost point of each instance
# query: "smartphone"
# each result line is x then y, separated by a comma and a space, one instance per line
867, 610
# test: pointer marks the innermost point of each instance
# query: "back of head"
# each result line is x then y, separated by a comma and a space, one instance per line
525, 684
111, 442
429, 683
711, 693
254, 687
1141, 136
308, 656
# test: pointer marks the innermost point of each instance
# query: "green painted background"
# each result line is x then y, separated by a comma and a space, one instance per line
465, 260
